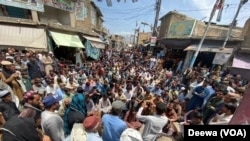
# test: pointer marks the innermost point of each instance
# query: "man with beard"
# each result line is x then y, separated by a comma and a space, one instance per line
32, 101
29, 120
9, 76
52, 123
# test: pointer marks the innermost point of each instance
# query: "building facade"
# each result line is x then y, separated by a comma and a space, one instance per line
51, 25
117, 42
241, 60
143, 37
180, 35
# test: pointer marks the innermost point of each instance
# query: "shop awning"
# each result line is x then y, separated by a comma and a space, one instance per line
241, 60
146, 44
23, 37
68, 40
95, 42
241, 65
174, 43
209, 49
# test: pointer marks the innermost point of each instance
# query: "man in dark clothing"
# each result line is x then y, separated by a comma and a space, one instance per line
7, 107
33, 68
20, 129
169, 64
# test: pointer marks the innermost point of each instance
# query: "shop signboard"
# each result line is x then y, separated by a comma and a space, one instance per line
153, 41
36, 5
67, 5
181, 29
221, 58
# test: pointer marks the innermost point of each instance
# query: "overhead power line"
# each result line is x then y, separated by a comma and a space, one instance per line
148, 12
130, 12
129, 9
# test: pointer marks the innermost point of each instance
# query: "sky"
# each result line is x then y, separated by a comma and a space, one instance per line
121, 17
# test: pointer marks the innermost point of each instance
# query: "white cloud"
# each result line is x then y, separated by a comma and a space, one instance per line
204, 4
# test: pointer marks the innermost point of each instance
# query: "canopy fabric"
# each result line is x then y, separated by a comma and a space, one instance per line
174, 44
209, 49
91, 51
23, 37
95, 42
67, 40
241, 60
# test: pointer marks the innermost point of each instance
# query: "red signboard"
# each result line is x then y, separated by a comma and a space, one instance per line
153, 41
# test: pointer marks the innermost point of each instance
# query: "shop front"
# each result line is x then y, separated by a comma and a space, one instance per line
241, 64
209, 55
94, 46
64, 45
23, 38
174, 51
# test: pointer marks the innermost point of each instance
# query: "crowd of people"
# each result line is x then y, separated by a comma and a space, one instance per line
122, 96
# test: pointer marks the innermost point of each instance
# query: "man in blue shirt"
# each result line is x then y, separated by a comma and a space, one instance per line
113, 126
60, 91
199, 93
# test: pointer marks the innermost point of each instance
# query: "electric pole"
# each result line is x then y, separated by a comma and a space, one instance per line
154, 30
135, 33
158, 8
204, 35
134, 37
242, 2
135, 40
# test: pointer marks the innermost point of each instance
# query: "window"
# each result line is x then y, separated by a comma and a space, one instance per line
16, 12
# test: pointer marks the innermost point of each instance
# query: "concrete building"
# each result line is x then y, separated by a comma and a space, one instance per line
241, 59
51, 25
143, 37
180, 35
89, 18
117, 42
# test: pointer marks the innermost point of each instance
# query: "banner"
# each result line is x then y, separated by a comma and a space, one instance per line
221, 58
36, 5
220, 7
